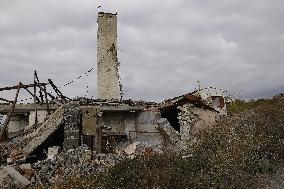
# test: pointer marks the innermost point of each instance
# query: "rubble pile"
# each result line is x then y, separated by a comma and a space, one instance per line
79, 161
8, 182
58, 166
5, 149
5, 180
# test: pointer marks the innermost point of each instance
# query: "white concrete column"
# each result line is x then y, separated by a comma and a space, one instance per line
107, 62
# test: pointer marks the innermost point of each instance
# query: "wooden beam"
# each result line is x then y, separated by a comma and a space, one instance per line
55, 88
35, 98
46, 99
38, 100
5, 100
40, 91
22, 86
4, 128
58, 92
52, 97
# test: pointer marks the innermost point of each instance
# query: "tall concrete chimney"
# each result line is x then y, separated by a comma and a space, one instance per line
107, 68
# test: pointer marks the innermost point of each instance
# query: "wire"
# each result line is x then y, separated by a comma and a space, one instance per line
82, 75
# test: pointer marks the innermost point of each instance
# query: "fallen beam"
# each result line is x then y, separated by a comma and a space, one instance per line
26, 108
20, 179
7, 120
42, 133
32, 94
22, 86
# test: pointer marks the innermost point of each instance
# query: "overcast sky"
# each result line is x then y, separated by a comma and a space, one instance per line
165, 46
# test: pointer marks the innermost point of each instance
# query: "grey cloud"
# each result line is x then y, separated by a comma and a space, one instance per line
165, 46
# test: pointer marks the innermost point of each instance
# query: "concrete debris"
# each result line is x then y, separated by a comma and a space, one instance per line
21, 181
5, 148
188, 156
16, 154
58, 144
131, 149
171, 136
5, 180
146, 149
27, 170
3, 175
44, 131
52, 152
80, 160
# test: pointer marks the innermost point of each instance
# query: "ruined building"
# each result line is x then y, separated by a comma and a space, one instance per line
107, 122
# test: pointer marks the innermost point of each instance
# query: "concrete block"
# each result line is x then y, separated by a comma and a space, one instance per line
21, 180
52, 152
147, 127
148, 117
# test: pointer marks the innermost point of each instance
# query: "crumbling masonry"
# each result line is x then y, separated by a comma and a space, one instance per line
88, 129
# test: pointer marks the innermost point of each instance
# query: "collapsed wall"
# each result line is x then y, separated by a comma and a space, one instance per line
109, 124
103, 123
